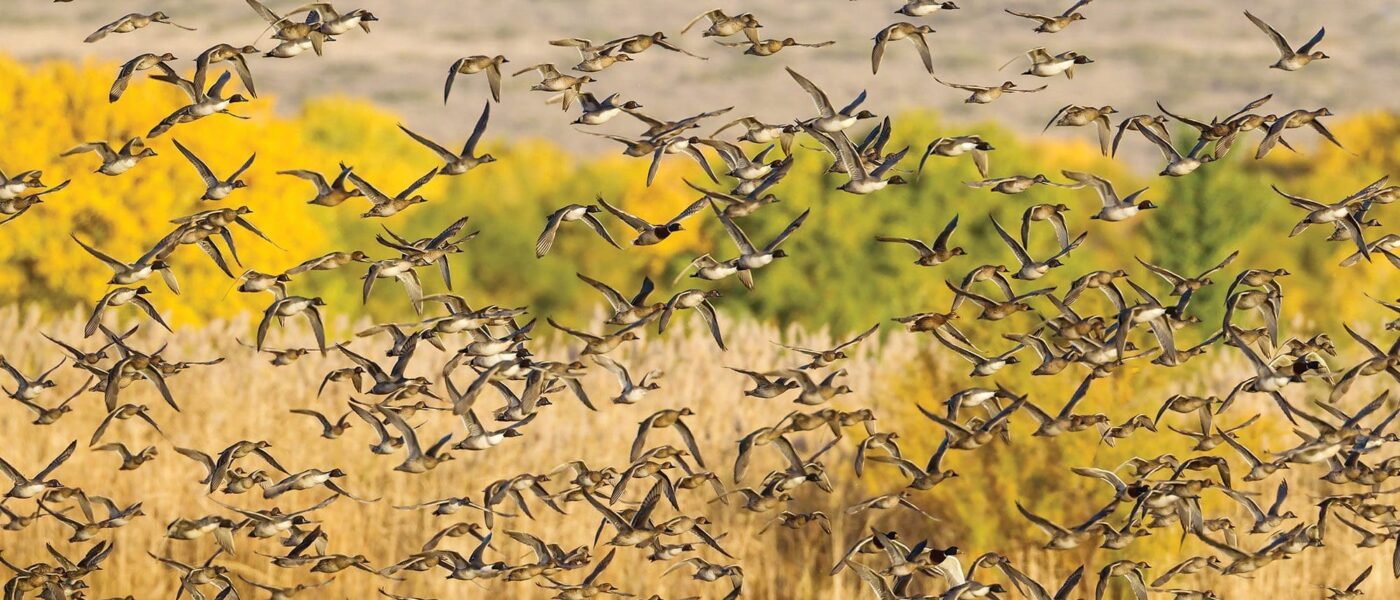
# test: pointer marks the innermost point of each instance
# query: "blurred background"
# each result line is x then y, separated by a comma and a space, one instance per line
1197, 58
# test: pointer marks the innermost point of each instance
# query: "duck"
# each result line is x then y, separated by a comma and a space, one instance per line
830, 120
889, 502
935, 254
1290, 59
861, 179
327, 194
551, 80
26, 487
418, 459
663, 419
26, 389
1057, 23
1177, 165
215, 188
1054, 215
738, 162
1114, 209
468, 159
329, 430
902, 31
224, 53
292, 306
1062, 538
982, 366
597, 112
332, 22
1182, 286
203, 103
639, 43
141, 62
769, 47
986, 94
386, 205
297, 36
12, 209
995, 310
471, 65
924, 8
571, 213
131, 22
758, 132
750, 256
957, 146
121, 296
115, 162
1293, 120
594, 58
1043, 64
1338, 212
605, 343
722, 25
479, 438
1028, 268
1077, 116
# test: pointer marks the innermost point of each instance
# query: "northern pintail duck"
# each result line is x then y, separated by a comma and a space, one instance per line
123, 413
118, 297
203, 103
1294, 120
27, 487
995, 310
740, 206
626, 311
568, 214
830, 120
986, 94
1028, 268
862, 178
1062, 538
1221, 131
551, 80
594, 58
141, 62
292, 306
327, 194
225, 53
636, 44
215, 188
468, 159
386, 205
769, 47
1077, 116
957, 146
902, 31
332, 22
1157, 123
11, 186
924, 8
471, 65
1056, 23
26, 389
935, 254
115, 162
1338, 212
750, 256
131, 22
597, 112
1114, 208
1177, 164
12, 209
1043, 64
297, 36
722, 25
1290, 59
762, 133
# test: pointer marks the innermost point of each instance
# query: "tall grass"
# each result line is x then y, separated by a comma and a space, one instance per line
246, 398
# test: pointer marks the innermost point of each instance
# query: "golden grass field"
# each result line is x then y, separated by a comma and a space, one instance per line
246, 398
